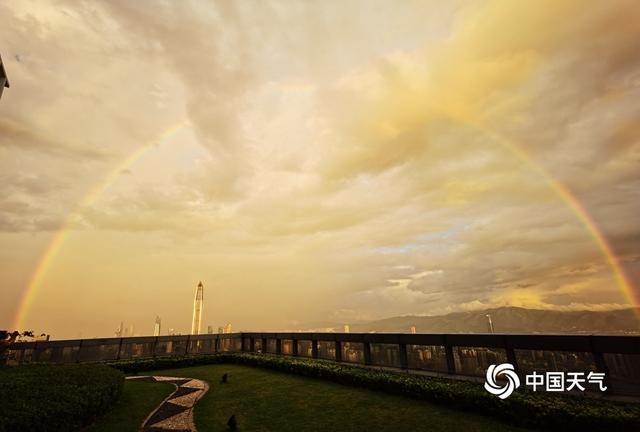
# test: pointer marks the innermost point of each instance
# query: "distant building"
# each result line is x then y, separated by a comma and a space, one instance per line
120, 330
490, 324
210, 329
346, 328
197, 309
220, 330
156, 326
227, 328
4, 81
171, 332
413, 329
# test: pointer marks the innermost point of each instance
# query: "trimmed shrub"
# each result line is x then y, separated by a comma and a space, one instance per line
56, 397
523, 407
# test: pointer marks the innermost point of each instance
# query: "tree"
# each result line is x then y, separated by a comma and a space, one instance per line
7, 339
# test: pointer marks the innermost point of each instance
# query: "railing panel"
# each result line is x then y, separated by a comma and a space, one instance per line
287, 346
304, 348
353, 352
202, 346
94, 353
474, 361
624, 373
45, 355
385, 354
70, 354
544, 360
136, 350
327, 350
427, 357
164, 348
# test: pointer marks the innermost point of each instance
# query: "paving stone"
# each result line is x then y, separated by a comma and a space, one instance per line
184, 391
167, 378
186, 400
166, 410
176, 413
194, 383
176, 422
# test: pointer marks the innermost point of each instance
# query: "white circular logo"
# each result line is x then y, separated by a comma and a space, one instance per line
513, 382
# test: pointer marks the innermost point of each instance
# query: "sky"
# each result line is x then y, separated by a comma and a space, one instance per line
314, 161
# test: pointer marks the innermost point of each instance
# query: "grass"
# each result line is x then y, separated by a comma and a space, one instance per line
265, 400
138, 399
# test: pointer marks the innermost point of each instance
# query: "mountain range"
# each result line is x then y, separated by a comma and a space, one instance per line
504, 319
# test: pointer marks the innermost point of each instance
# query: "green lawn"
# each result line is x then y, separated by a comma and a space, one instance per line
264, 400
138, 399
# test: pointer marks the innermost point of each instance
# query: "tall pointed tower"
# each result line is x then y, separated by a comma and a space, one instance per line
156, 327
197, 309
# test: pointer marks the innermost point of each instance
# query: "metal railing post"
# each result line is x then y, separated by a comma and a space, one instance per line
338, 349
119, 349
314, 348
451, 363
511, 358
79, 350
598, 358
366, 351
404, 361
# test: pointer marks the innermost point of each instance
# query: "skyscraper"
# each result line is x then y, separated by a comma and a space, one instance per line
156, 327
197, 309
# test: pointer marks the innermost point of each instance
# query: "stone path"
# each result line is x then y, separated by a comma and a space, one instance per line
175, 413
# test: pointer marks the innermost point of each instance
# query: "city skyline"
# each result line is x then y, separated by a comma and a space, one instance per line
423, 159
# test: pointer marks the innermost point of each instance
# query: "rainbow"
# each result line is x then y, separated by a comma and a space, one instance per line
560, 190
94, 193
628, 290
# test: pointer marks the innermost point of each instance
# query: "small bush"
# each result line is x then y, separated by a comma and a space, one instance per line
56, 397
523, 407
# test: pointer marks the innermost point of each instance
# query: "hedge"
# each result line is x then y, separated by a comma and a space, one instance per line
523, 407
56, 397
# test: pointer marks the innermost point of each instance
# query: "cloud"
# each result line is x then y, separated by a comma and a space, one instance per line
324, 166
25, 137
